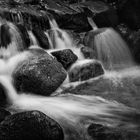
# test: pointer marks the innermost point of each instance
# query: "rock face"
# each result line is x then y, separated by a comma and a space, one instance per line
65, 57
73, 16
39, 74
30, 125
3, 114
129, 13
84, 70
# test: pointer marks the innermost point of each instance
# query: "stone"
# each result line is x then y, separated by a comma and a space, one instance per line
30, 125
40, 74
66, 57
85, 69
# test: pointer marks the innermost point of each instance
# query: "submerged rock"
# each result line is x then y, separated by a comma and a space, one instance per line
39, 74
85, 69
88, 53
66, 57
101, 132
3, 114
30, 125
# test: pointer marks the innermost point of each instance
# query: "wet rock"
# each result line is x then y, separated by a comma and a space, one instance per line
5, 39
129, 13
39, 74
30, 125
42, 38
85, 69
65, 57
88, 53
24, 35
3, 114
101, 132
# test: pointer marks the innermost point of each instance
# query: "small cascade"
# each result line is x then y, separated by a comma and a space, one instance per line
111, 49
33, 39
49, 39
62, 40
12, 40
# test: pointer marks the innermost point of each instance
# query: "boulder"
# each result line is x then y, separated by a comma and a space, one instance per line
66, 57
39, 74
3, 114
85, 69
30, 125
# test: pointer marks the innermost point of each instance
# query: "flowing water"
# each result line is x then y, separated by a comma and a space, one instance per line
62, 40
73, 112
111, 49
16, 43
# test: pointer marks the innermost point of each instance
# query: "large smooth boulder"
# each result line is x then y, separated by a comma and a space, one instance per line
39, 74
66, 57
85, 69
31, 125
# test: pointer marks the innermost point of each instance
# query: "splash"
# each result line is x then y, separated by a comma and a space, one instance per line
111, 49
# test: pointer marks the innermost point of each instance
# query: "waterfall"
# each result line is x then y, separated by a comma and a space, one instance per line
33, 39
14, 42
111, 49
62, 40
